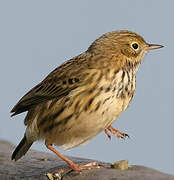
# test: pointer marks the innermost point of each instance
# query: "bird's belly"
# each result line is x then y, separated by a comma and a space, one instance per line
84, 125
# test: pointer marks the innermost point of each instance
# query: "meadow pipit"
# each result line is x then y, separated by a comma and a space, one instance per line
83, 96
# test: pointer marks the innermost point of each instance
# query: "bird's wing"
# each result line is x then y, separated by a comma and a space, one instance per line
57, 84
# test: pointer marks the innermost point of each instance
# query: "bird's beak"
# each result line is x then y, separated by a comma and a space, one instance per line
153, 46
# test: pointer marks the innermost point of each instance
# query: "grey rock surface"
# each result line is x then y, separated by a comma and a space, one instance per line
38, 165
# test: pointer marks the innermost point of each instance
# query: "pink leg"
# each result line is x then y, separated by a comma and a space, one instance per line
72, 165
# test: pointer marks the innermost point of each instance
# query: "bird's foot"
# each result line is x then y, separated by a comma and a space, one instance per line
77, 168
115, 132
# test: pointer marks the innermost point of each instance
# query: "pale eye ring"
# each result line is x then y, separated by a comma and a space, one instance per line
135, 45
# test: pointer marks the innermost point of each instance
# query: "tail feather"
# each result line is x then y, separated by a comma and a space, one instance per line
21, 149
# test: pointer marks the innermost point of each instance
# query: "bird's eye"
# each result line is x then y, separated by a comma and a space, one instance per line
135, 46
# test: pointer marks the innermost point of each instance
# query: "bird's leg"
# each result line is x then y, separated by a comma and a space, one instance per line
115, 132
72, 165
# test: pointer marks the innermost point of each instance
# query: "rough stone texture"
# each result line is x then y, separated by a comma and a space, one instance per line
35, 165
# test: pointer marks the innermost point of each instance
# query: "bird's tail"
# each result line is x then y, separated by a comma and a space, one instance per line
21, 149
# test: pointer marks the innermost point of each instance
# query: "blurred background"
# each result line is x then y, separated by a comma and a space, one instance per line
37, 36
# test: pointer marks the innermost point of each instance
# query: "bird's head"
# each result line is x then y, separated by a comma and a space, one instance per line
122, 45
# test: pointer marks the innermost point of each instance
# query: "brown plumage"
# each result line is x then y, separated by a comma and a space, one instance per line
83, 96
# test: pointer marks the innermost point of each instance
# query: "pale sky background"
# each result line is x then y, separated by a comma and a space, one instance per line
38, 35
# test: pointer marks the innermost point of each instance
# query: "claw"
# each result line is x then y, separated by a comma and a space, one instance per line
127, 135
115, 132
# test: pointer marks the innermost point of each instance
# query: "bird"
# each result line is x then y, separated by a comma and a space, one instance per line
83, 96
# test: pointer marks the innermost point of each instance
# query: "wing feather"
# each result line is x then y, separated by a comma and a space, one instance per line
57, 84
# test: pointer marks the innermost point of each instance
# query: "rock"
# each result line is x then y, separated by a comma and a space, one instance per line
43, 166
121, 165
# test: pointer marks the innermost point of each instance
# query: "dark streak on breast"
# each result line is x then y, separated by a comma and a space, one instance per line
123, 75
128, 76
106, 100
119, 91
108, 89
114, 89
97, 107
